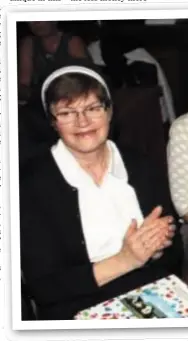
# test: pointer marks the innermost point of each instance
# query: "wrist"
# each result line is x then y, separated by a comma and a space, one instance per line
127, 261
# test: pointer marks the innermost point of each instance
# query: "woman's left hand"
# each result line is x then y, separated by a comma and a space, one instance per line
167, 243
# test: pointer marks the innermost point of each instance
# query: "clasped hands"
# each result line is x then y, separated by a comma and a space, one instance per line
155, 234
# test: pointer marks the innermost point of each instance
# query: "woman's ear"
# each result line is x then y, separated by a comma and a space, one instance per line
51, 117
110, 112
53, 124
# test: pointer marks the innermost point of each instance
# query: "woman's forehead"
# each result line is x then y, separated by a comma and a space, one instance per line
80, 101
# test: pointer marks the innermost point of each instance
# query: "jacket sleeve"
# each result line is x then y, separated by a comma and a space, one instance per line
50, 275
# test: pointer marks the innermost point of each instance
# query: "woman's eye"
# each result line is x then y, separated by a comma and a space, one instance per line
89, 110
64, 114
95, 108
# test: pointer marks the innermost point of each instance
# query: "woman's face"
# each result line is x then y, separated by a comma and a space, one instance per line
82, 132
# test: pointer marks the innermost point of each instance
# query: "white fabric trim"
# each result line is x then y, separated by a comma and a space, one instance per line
95, 52
71, 69
107, 210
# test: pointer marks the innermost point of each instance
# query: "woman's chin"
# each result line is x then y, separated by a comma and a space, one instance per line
86, 145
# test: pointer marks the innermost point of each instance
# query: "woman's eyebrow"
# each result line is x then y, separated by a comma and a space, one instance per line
89, 105
71, 108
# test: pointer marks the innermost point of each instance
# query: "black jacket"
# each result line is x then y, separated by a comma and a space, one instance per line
54, 258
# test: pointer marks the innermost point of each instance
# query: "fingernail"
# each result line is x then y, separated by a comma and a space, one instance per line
172, 227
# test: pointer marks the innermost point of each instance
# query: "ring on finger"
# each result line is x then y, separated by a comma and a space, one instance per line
145, 244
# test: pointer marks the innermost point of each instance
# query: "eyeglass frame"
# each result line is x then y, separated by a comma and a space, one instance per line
103, 105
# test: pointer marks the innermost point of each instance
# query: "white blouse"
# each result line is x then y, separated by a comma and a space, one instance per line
177, 153
107, 210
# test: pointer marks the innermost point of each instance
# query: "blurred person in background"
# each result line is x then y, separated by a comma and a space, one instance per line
178, 165
42, 52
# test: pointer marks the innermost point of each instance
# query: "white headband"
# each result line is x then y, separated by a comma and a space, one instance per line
71, 69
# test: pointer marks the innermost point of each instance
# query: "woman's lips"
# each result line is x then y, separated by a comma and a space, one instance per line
86, 133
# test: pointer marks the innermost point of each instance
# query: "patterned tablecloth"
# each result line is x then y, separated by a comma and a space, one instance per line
171, 289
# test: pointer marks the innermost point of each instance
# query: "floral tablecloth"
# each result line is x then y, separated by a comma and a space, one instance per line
171, 289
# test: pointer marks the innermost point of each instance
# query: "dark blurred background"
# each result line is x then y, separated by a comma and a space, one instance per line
168, 44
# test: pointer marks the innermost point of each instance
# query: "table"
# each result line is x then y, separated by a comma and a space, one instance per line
171, 289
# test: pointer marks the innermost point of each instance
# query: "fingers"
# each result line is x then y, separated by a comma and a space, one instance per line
156, 244
164, 241
167, 243
160, 223
164, 223
157, 255
167, 218
143, 243
172, 227
143, 252
160, 229
171, 234
158, 232
156, 213
132, 229
150, 234
156, 225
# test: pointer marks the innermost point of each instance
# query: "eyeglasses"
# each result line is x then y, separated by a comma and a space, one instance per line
93, 111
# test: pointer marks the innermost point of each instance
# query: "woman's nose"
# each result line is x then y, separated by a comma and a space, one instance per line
82, 119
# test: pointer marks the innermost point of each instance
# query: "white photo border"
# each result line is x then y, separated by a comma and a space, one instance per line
12, 19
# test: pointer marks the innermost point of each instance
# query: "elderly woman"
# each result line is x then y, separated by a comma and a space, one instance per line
178, 165
91, 224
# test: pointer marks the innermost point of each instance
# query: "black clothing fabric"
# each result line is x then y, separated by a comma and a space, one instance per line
54, 257
36, 134
137, 74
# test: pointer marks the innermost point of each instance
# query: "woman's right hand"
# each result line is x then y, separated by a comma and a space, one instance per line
140, 244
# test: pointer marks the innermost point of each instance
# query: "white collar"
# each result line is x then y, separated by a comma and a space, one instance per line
75, 175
